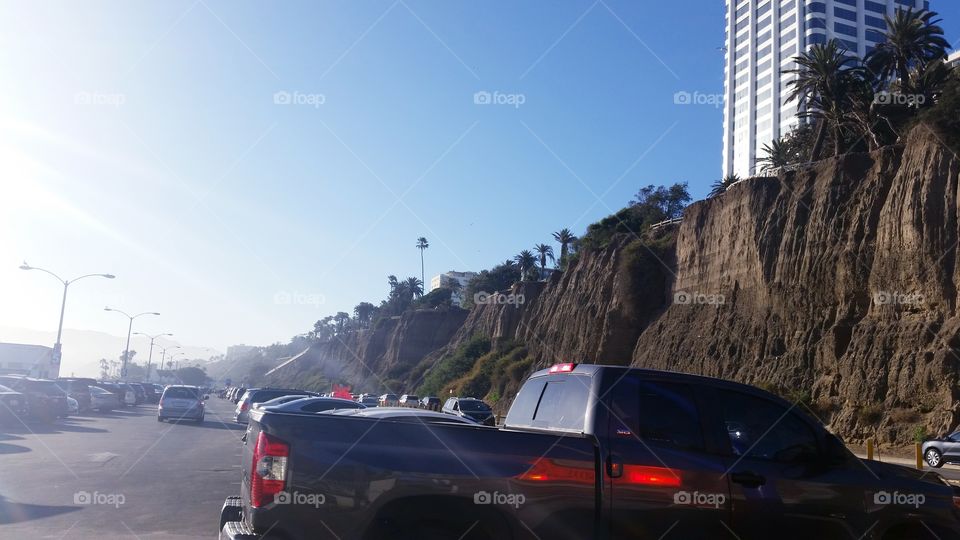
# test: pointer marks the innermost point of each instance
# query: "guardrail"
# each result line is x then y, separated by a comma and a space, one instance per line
666, 222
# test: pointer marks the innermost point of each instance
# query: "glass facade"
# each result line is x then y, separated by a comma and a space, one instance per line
763, 37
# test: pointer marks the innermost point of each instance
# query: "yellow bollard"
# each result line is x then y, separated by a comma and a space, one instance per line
870, 449
919, 456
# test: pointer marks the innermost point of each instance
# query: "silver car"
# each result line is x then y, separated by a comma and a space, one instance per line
102, 400
181, 402
944, 449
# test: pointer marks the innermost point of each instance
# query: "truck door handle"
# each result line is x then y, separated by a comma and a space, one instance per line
748, 479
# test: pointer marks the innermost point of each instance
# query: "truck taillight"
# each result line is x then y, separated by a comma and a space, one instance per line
562, 368
244, 405
268, 473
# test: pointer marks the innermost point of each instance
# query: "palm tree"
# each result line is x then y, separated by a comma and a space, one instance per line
544, 251
824, 80
415, 286
913, 40
720, 186
526, 260
564, 237
422, 244
778, 155
363, 312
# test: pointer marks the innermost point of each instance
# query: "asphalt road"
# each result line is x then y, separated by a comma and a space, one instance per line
119, 475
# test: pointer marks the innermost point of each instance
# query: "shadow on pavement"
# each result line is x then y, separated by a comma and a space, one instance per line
47, 428
12, 512
12, 449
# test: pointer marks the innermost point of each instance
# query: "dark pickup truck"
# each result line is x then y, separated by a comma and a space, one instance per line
586, 451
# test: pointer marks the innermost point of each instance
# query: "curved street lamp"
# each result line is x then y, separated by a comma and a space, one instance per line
63, 305
163, 355
150, 357
126, 350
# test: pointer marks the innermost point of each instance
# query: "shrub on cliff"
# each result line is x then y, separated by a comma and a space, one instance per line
651, 205
453, 367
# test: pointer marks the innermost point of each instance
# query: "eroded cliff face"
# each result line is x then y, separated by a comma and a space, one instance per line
374, 358
837, 283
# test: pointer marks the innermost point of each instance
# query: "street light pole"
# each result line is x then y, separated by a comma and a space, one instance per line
163, 355
126, 350
150, 357
57, 349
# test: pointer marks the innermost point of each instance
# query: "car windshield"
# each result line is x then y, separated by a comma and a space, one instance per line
98, 390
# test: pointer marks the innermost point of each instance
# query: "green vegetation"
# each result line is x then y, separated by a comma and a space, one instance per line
651, 205
454, 366
498, 278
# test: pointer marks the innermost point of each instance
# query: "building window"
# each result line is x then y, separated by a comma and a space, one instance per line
845, 14
845, 29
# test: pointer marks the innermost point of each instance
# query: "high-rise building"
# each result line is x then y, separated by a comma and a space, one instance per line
762, 38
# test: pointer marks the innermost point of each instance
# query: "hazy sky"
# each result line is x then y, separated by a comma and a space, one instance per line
148, 139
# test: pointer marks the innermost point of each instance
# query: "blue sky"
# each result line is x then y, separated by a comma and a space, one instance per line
144, 139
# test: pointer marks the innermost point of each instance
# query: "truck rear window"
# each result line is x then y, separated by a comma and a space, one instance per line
552, 403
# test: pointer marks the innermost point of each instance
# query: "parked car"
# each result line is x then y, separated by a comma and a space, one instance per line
470, 407
587, 451
368, 400
139, 393
259, 395
941, 450
409, 400
78, 389
314, 405
45, 400
13, 406
103, 400
430, 403
237, 394
181, 402
73, 407
153, 396
125, 395
282, 399
388, 400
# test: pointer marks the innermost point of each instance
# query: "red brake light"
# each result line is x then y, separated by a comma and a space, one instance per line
649, 476
244, 405
268, 472
556, 470
562, 368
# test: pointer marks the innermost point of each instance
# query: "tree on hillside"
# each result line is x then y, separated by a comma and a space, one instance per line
565, 238
498, 278
527, 262
340, 320
415, 286
364, 313
104, 368
913, 40
670, 202
193, 376
826, 76
544, 251
720, 186
777, 155
422, 244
